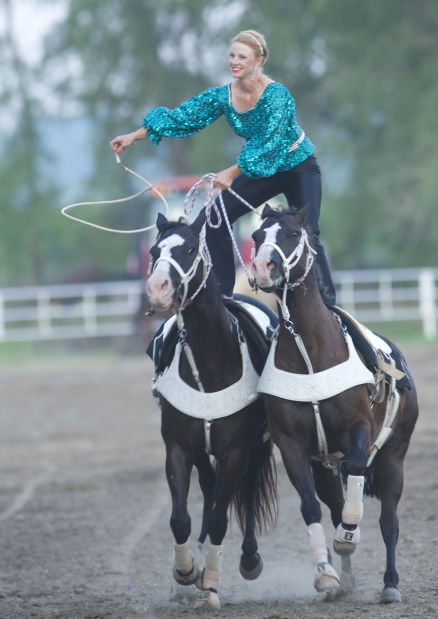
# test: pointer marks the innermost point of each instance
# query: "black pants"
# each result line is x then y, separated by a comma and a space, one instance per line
302, 187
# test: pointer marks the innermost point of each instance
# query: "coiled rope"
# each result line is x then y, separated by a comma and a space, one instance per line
149, 187
209, 205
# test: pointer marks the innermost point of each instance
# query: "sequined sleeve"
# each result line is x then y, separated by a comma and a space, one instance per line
190, 117
266, 151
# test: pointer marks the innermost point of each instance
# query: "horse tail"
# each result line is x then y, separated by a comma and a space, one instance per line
371, 487
256, 497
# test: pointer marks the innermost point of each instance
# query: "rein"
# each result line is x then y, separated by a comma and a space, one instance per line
149, 187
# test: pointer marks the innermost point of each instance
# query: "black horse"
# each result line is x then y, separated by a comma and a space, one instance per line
210, 408
323, 404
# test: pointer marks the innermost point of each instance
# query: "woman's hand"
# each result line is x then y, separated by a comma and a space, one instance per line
225, 178
121, 142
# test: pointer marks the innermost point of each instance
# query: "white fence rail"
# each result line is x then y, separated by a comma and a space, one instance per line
111, 308
70, 311
395, 295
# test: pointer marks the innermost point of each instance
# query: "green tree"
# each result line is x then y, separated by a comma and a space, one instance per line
362, 75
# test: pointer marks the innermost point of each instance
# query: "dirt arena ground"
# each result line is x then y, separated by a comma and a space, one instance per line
84, 508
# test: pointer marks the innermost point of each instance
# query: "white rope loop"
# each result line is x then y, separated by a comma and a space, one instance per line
209, 203
149, 187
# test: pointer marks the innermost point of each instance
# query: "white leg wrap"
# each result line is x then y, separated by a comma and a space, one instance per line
183, 557
213, 564
353, 507
326, 578
318, 544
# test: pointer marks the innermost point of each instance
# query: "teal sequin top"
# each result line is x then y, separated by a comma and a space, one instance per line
270, 127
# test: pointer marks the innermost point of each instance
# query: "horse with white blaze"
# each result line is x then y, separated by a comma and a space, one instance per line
326, 407
210, 408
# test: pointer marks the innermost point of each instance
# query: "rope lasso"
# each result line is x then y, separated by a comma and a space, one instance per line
210, 205
149, 187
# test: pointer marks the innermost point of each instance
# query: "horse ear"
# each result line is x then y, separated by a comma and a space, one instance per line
161, 222
268, 211
199, 222
301, 216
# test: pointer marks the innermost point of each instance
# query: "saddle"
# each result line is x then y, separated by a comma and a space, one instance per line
257, 322
379, 353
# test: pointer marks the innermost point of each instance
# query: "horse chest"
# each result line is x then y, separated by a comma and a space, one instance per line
211, 378
203, 404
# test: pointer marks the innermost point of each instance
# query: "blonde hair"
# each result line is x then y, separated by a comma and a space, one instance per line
255, 41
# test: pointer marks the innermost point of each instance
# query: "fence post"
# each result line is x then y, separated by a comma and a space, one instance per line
385, 295
427, 303
43, 312
2, 318
346, 296
89, 310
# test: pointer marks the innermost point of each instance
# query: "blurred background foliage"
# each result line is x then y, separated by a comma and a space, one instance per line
363, 75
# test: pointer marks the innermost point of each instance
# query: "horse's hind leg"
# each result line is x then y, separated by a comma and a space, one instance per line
178, 468
389, 481
251, 564
348, 533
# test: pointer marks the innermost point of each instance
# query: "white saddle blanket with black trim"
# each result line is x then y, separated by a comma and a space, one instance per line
317, 386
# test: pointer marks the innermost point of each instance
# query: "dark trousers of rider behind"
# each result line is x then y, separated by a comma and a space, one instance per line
302, 188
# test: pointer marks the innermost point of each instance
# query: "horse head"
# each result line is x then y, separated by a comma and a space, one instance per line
176, 264
282, 253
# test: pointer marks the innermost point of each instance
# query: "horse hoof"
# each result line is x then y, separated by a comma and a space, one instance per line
253, 569
206, 596
333, 593
186, 578
390, 595
343, 548
327, 580
345, 541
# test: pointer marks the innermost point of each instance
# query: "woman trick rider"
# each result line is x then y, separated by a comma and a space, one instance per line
277, 157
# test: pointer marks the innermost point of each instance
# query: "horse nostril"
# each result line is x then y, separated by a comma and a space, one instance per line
165, 284
270, 266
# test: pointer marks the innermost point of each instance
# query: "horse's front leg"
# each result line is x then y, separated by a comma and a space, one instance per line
329, 490
299, 471
207, 481
348, 533
228, 472
178, 469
